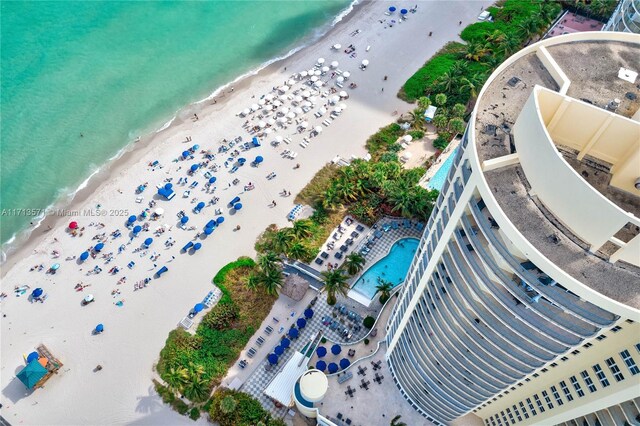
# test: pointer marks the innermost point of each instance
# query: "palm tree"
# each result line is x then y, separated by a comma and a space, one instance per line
459, 68
424, 102
176, 378
384, 288
298, 250
354, 263
396, 421
302, 228
282, 240
335, 282
253, 281
228, 404
440, 121
268, 261
458, 110
456, 125
447, 81
528, 28
399, 196
441, 99
271, 280
197, 389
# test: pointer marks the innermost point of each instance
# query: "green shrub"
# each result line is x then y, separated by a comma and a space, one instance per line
383, 299
380, 141
425, 76
323, 340
247, 411
194, 414
180, 406
440, 143
417, 134
366, 341
369, 321
388, 157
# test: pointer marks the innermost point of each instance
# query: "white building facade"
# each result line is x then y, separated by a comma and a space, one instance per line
626, 17
523, 301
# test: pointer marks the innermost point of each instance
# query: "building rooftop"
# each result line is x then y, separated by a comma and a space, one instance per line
592, 67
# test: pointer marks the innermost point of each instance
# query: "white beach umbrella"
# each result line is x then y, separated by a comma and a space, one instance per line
322, 110
262, 102
282, 120
268, 96
407, 138
291, 82
337, 46
321, 61
365, 62
306, 94
406, 155
291, 115
304, 74
306, 104
343, 106
337, 110
334, 99
284, 110
318, 129
279, 138
283, 88
317, 73
312, 99
283, 98
334, 64
246, 111
268, 131
346, 75
343, 94
255, 107
271, 121
325, 69
262, 124
277, 104
298, 98
340, 79
304, 124
318, 83
159, 211
311, 71
298, 110
314, 78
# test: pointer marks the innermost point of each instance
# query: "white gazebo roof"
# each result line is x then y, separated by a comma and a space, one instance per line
281, 387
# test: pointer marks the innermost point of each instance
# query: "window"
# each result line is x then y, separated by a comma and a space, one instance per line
524, 410
513, 422
544, 370
536, 375
576, 352
577, 386
540, 406
603, 379
556, 395
531, 407
638, 347
515, 410
547, 399
553, 364
588, 381
614, 369
564, 358
601, 337
504, 418
587, 345
631, 364
616, 329
566, 391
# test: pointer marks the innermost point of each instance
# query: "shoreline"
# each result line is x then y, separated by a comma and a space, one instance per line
22, 243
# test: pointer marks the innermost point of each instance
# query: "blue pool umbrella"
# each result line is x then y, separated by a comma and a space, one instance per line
137, 229
198, 307
148, 242
32, 356
212, 179
333, 367
321, 351
194, 167
186, 154
403, 11
200, 205
293, 333
392, 9
184, 219
132, 218
308, 313
195, 147
235, 200
242, 160
197, 246
259, 159
208, 231
279, 350
84, 255
321, 365
285, 343
99, 328
99, 247
37, 292
336, 349
301, 323
344, 363
220, 220
237, 206
273, 359
168, 186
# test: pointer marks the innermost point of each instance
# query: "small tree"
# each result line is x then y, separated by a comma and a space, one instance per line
369, 321
440, 143
458, 110
384, 289
424, 102
456, 125
441, 99
353, 263
440, 121
228, 404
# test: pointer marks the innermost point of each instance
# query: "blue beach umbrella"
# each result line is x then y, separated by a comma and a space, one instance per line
195, 147
235, 200
184, 219
321, 365
84, 255
242, 160
200, 205
197, 246
321, 351
194, 167
33, 356
168, 186
212, 179
132, 218
344, 363
137, 229
273, 359
301, 323
279, 350
308, 313
186, 154
403, 11
37, 292
333, 367
198, 307
208, 231
293, 333
55, 266
99, 247
211, 224
285, 343
336, 349
99, 328
237, 206
259, 159
392, 9
148, 242
220, 220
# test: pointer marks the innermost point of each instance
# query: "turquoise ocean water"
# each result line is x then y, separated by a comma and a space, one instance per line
113, 70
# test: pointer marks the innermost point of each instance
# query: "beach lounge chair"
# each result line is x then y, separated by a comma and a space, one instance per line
268, 329
260, 341
161, 271
394, 225
251, 352
187, 246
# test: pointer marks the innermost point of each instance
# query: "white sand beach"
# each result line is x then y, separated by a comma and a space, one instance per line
135, 332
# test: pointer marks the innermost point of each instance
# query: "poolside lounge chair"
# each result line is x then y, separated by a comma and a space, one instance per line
394, 225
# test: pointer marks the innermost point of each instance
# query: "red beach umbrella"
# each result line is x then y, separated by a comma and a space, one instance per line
73, 225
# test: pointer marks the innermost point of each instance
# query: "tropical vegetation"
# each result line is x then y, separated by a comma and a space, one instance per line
384, 288
233, 408
335, 283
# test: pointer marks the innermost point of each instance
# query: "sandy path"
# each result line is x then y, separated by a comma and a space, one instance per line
136, 332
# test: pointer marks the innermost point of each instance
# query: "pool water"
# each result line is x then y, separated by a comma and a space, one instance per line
437, 181
393, 267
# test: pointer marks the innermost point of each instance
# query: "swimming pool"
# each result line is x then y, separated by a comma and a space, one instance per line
437, 181
393, 267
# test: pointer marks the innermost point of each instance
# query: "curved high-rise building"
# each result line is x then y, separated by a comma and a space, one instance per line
626, 17
522, 303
